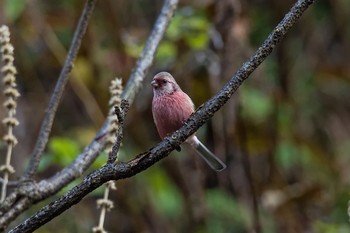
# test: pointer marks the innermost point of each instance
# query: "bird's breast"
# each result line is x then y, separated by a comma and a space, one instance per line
170, 112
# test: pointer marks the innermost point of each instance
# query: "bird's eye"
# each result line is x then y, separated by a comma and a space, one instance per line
164, 81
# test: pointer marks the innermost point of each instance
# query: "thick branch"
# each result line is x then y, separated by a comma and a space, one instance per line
59, 89
144, 161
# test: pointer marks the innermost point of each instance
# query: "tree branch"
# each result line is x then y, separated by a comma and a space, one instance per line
147, 159
59, 89
22, 198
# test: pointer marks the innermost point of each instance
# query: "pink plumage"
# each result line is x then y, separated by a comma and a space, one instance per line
171, 107
171, 111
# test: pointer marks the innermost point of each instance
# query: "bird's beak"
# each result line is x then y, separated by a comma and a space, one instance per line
154, 83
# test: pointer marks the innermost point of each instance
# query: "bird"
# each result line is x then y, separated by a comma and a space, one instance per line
171, 107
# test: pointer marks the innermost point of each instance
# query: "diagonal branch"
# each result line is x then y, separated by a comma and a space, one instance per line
59, 89
147, 159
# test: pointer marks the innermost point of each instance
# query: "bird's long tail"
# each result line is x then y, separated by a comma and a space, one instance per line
214, 162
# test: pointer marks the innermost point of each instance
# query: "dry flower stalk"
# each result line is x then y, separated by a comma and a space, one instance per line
9, 72
105, 204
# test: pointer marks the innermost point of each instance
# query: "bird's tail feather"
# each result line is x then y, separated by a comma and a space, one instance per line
214, 162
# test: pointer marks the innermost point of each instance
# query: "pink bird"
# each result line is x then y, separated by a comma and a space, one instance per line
171, 107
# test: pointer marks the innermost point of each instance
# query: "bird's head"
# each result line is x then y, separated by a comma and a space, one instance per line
164, 83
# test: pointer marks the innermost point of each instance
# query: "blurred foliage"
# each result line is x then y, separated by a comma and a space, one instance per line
163, 194
13, 9
225, 214
257, 106
63, 150
290, 118
191, 27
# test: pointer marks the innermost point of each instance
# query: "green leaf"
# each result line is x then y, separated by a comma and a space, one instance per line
323, 227
63, 150
287, 154
174, 29
166, 51
167, 198
164, 195
192, 28
133, 49
14, 8
256, 105
225, 213
197, 23
197, 40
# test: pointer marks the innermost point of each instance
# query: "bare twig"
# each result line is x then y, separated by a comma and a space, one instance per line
203, 114
121, 113
59, 89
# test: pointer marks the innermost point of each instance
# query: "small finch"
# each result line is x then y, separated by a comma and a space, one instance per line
171, 107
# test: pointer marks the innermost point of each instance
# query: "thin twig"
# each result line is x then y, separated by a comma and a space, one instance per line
121, 113
59, 89
203, 114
